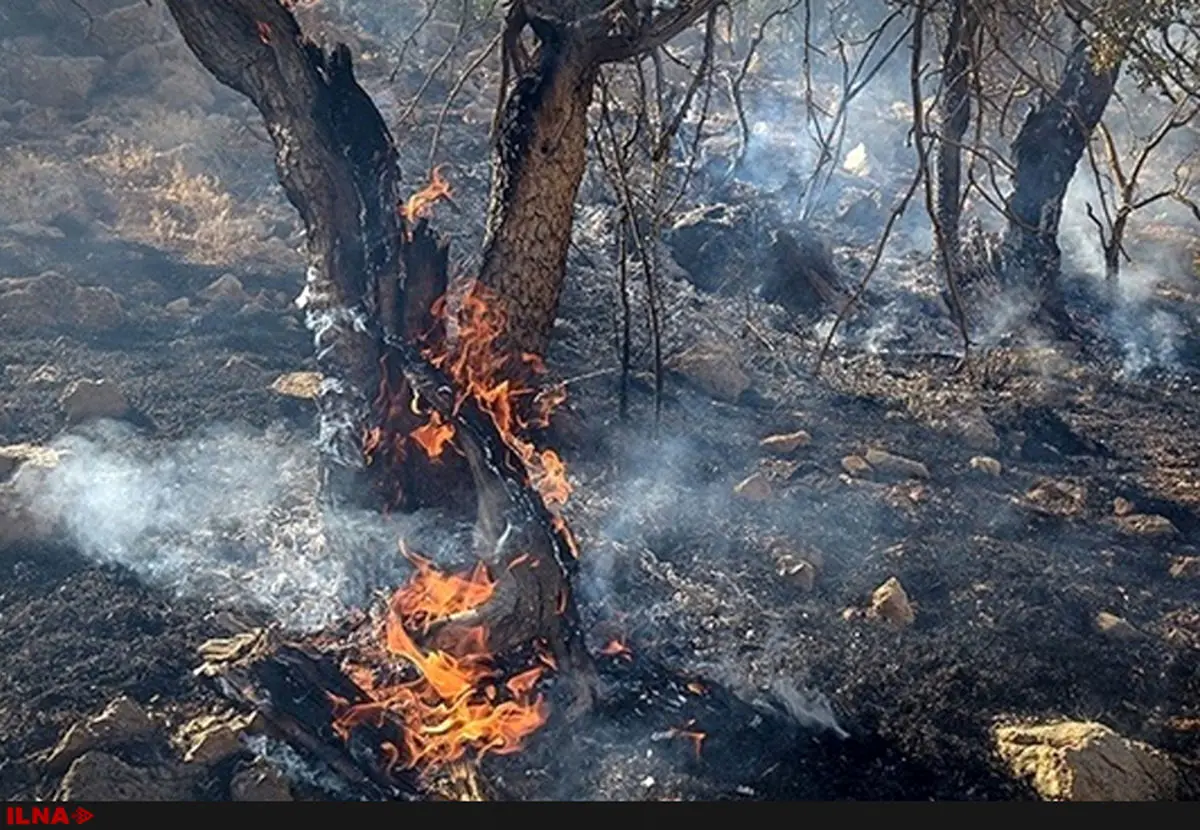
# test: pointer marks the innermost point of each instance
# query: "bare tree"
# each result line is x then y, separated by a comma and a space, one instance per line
1120, 190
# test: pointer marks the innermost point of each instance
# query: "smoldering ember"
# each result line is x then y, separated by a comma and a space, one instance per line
592, 400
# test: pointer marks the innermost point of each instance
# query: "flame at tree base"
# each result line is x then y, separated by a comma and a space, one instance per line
453, 706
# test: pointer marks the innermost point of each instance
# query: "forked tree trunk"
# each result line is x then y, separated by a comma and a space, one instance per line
370, 287
1047, 150
955, 118
540, 159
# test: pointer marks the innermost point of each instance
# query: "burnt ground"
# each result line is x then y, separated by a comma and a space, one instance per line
1006, 590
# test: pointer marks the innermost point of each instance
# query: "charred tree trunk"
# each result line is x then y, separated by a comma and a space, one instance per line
338, 164
956, 117
1046, 151
540, 159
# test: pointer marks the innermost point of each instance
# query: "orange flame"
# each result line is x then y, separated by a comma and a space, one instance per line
420, 204
433, 436
430, 596
616, 647
482, 370
697, 738
455, 705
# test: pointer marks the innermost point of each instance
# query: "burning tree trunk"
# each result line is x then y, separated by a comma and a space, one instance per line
956, 116
1047, 150
373, 279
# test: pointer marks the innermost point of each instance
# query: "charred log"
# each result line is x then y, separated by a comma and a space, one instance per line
293, 688
1047, 150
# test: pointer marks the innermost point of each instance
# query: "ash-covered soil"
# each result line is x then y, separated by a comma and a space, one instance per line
741, 566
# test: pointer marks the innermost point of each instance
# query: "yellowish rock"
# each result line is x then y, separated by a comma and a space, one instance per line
856, 466
1186, 567
986, 464
1085, 761
895, 466
786, 444
87, 400
298, 385
890, 603
123, 721
19, 455
714, 369
1116, 627
1146, 524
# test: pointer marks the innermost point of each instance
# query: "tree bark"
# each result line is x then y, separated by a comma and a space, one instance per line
956, 117
1047, 150
338, 165
540, 159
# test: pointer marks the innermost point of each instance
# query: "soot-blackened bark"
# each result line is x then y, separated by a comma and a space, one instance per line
1046, 151
540, 158
956, 117
338, 165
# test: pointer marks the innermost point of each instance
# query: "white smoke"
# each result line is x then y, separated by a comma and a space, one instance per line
228, 516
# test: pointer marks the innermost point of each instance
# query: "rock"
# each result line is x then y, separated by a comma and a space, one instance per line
986, 464
1057, 498
51, 82
259, 782
1146, 524
860, 209
1122, 506
713, 369
972, 428
896, 466
1085, 761
98, 776
180, 306
890, 603
87, 400
709, 243
298, 385
785, 444
856, 466
1116, 627
97, 309
1185, 567
45, 375
17, 524
145, 61
17, 455
30, 303
35, 230
799, 572
122, 722
192, 89
226, 287
52, 300
754, 488
210, 739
